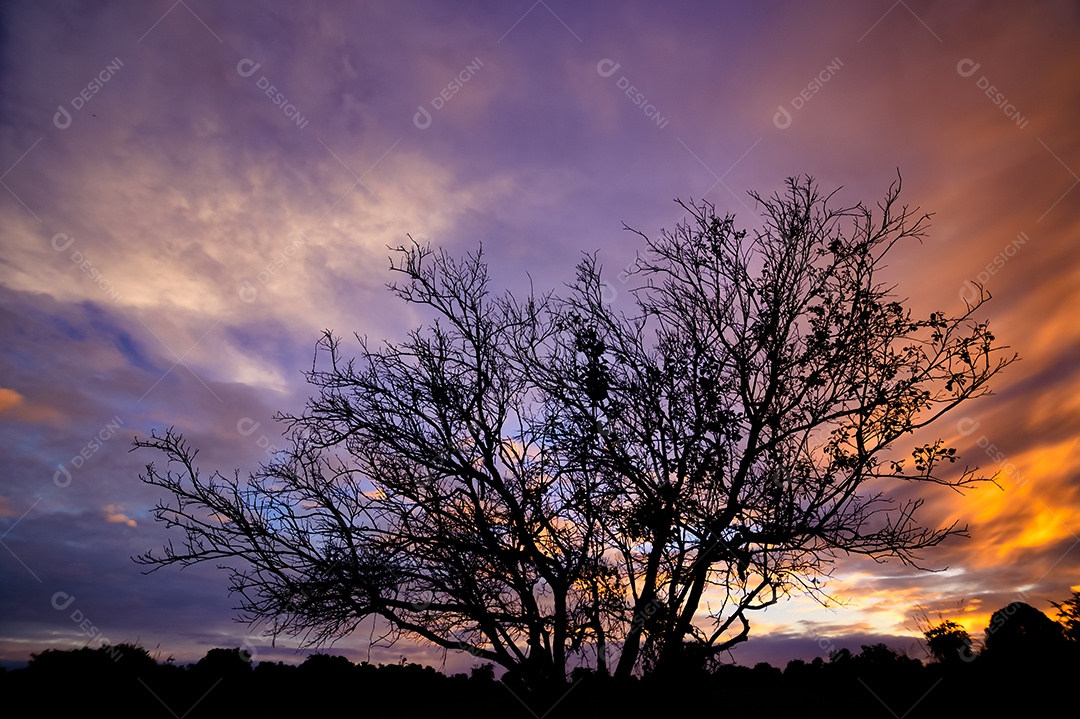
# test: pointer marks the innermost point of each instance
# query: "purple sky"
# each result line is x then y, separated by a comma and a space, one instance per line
192, 192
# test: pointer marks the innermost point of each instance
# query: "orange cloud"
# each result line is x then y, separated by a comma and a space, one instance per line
1036, 507
114, 514
13, 405
9, 398
7, 507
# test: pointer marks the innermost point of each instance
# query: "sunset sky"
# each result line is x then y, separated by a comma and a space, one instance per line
192, 191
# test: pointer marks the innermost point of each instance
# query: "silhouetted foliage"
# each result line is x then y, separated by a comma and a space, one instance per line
1021, 633
877, 681
1068, 614
948, 642
128, 658
483, 672
840, 657
539, 478
767, 672
327, 665
795, 667
225, 662
883, 665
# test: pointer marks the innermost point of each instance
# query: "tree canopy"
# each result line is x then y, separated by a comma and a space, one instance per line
549, 482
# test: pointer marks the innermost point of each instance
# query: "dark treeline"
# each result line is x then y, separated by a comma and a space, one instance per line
1026, 662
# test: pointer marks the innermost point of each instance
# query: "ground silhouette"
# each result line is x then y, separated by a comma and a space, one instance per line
1027, 664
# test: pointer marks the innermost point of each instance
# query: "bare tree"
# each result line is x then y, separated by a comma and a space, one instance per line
538, 478
417, 489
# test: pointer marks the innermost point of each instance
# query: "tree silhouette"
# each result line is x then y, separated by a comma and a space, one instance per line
531, 479
1021, 633
1069, 616
224, 662
124, 658
948, 642
483, 672
327, 664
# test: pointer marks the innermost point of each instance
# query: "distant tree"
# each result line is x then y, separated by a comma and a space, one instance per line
840, 656
124, 657
1020, 632
795, 667
224, 662
133, 659
483, 672
948, 642
1068, 613
69, 661
275, 671
881, 658
327, 664
532, 478
767, 674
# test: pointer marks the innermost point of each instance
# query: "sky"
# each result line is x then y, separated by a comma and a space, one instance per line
193, 191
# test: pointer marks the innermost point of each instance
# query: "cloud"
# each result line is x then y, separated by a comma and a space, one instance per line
811, 641
7, 507
9, 398
114, 513
14, 407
